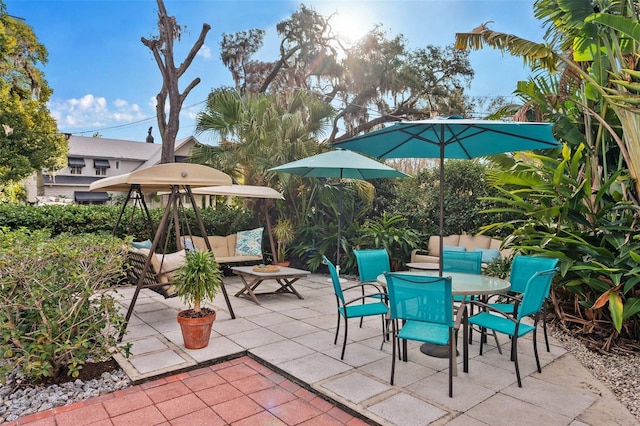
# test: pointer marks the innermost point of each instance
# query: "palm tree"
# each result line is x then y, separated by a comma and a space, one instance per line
597, 54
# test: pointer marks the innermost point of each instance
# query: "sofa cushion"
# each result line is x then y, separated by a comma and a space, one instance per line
434, 243
488, 255
472, 242
249, 243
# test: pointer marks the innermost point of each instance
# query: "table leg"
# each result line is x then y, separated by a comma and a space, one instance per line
286, 286
248, 288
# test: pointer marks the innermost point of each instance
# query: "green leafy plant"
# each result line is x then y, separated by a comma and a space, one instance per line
284, 233
56, 312
198, 279
499, 267
392, 233
591, 229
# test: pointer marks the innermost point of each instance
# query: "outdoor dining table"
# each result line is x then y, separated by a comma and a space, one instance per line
461, 285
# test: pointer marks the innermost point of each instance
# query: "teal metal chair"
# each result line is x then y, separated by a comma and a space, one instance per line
535, 292
372, 263
422, 310
468, 262
355, 308
522, 269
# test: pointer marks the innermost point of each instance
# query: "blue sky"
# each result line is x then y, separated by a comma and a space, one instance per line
105, 80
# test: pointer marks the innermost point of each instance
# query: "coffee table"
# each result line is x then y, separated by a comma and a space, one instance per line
251, 279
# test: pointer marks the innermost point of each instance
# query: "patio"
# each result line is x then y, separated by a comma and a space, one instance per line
295, 338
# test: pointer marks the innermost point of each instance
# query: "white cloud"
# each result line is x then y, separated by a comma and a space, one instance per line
205, 52
92, 113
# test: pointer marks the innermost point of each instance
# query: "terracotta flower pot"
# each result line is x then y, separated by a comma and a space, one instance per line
196, 331
285, 263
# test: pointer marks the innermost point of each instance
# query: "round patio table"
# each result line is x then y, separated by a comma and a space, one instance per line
461, 285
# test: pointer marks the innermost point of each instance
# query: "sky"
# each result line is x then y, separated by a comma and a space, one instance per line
105, 80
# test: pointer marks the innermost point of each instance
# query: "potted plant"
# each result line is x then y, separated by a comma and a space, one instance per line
197, 279
284, 233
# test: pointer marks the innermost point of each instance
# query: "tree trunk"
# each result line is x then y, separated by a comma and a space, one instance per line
162, 49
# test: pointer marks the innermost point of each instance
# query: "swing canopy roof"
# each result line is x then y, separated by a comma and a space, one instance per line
246, 191
162, 177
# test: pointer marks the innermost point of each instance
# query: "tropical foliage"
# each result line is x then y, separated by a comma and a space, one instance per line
29, 138
582, 206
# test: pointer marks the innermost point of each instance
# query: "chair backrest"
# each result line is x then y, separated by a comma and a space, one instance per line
335, 280
524, 267
420, 298
536, 291
469, 262
371, 263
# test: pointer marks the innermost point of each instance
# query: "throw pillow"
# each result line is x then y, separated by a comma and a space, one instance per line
453, 248
249, 243
146, 244
488, 254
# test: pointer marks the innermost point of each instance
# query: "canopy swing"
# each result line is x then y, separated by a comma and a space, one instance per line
176, 178
247, 191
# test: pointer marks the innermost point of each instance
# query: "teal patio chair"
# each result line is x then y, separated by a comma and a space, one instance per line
422, 310
467, 262
372, 263
355, 308
522, 269
535, 292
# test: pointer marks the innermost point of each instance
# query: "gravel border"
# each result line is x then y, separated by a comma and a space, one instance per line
618, 372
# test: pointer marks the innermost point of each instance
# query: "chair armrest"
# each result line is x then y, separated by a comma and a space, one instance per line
365, 297
461, 316
488, 308
379, 288
416, 251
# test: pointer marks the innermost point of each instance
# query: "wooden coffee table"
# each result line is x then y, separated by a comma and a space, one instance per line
251, 279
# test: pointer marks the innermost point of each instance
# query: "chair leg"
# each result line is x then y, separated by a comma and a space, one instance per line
393, 352
344, 342
335, 340
544, 327
452, 356
384, 332
514, 356
495, 336
535, 350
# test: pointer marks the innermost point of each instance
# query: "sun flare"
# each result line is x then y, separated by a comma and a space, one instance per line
351, 22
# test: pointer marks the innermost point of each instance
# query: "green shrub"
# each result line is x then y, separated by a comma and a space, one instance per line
55, 314
76, 219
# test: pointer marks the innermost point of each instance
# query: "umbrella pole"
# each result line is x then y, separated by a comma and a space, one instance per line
339, 220
441, 206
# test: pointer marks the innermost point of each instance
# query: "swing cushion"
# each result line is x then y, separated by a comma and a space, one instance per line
146, 244
224, 249
249, 243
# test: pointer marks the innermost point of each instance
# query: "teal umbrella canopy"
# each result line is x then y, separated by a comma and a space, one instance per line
451, 138
341, 164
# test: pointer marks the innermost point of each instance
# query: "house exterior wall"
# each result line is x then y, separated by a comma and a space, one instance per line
122, 156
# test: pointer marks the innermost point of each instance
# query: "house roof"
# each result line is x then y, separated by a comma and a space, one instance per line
84, 146
155, 157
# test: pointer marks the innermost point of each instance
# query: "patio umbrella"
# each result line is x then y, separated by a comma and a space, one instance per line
451, 138
340, 164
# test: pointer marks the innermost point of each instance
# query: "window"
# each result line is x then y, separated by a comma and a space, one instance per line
101, 172
75, 165
117, 165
